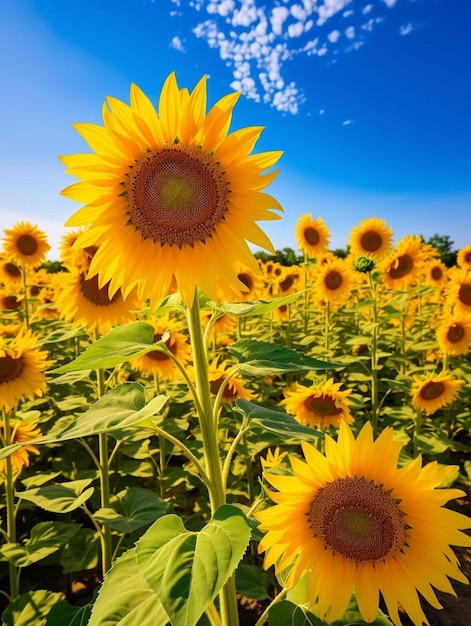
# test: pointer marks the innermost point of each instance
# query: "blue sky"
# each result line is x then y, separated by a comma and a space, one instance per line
370, 100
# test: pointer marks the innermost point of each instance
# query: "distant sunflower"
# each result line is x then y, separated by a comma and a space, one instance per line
20, 433
435, 272
234, 386
10, 301
434, 392
351, 521
318, 405
252, 282
463, 258
454, 334
371, 238
22, 367
171, 191
334, 281
312, 236
25, 245
402, 270
83, 303
74, 258
9, 272
157, 362
459, 291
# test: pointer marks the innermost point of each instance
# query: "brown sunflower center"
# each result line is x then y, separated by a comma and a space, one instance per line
10, 303
455, 333
402, 266
323, 404
157, 355
431, 390
230, 391
27, 244
95, 294
177, 195
12, 270
357, 519
436, 272
333, 280
287, 282
10, 368
467, 257
371, 241
311, 235
464, 294
246, 279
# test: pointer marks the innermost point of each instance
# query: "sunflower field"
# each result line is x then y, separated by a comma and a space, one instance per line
194, 436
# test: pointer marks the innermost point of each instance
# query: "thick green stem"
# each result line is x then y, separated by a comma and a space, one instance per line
374, 358
106, 547
10, 508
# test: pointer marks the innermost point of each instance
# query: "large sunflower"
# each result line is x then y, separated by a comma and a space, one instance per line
454, 334
20, 433
371, 238
403, 268
312, 236
334, 281
434, 392
22, 367
171, 198
353, 522
318, 405
25, 244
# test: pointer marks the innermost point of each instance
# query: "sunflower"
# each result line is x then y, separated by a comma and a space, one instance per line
371, 238
253, 286
22, 367
434, 392
403, 268
225, 374
435, 273
311, 235
73, 257
319, 405
20, 433
459, 290
171, 191
9, 272
334, 281
157, 362
352, 521
454, 334
25, 244
10, 301
83, 303
463, 258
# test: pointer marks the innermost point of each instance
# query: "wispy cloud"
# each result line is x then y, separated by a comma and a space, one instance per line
406, 29
177, 44
259, 42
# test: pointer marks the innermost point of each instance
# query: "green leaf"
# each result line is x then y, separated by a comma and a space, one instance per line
132, 508
46, 538
63, 613
187, 569
81, 552
59, 498
256, 307
30, 609
126, 598
251, 582
117, 346
275, 422
260, 358
286, 613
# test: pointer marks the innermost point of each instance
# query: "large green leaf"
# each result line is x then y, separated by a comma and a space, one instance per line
187, 569
256, 307
81, 552
46, 538
62, 614
117, 346
126, 598
30, 609
59, 498
286, 613
261, 358
131, 509
122, 407
275, 422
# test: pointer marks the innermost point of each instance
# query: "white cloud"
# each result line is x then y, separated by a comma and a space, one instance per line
333, 37
347, 122
350, 32
389, 3
177, 44
406, 29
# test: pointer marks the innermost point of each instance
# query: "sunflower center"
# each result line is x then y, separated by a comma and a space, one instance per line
157, 355
357, 519
431, 390
246, 280
11, 303
12, 270
464, 294
371, 241
455, 333
467, 257
312, 236
436, 273
176, 195
323, 404
27, 244
333, 280
10, 368
287, 283
402, 266
96, 295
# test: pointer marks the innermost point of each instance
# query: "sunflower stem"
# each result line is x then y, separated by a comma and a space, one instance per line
209, 432
374, 357
10, 507
25, 289
104, 472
